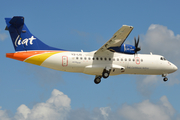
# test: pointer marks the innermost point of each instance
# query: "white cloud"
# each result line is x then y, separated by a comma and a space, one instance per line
160, 40
22, 112
148, 111
4, 114
144, 110
56, 107
105, 112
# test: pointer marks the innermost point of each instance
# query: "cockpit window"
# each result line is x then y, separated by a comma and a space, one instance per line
162, 58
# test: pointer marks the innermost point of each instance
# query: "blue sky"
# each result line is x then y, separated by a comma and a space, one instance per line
27, 91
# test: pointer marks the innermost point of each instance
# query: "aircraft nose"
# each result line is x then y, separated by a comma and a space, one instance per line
175, 67
172, 67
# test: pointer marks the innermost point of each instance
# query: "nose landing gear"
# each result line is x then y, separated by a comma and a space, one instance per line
165, 78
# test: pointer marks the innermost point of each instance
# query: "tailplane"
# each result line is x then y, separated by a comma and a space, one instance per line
22, 38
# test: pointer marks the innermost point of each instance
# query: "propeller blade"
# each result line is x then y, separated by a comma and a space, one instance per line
136, 43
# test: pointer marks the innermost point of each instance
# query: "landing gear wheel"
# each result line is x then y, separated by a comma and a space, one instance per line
97, 80
165, 79
105, 74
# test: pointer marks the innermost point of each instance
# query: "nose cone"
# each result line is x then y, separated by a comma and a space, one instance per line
172, 67
175, 68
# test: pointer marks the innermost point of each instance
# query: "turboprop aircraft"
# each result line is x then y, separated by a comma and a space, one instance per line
113, 58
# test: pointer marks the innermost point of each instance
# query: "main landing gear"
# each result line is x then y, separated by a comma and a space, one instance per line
105, 74
165, 78
97, 79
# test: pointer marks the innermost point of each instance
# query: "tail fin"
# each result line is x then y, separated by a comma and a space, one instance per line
21, 37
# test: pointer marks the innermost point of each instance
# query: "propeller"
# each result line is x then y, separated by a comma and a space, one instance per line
136, 45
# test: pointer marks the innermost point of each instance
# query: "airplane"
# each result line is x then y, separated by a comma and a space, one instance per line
113, 58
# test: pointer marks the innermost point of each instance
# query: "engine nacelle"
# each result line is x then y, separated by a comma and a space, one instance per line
125, 48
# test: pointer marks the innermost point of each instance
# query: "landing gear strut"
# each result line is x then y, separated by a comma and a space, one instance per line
165, 78
97, 79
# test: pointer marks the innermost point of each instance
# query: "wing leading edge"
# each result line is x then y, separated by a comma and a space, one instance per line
118, 38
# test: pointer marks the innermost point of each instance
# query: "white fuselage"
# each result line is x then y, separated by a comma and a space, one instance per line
118, 63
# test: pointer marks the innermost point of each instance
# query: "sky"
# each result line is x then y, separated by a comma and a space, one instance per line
30, 92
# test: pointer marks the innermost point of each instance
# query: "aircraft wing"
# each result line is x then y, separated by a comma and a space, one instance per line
118, 38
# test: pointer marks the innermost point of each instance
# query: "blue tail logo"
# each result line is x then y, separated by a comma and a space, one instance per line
22, 38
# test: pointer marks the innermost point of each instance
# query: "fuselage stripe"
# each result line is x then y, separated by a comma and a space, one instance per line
40, 58
33, 57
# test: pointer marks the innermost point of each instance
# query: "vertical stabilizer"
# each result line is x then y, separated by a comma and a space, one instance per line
22, 38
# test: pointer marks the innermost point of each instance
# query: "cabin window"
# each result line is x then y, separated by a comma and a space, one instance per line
101, 58
77, 58
117, 59
93, 58
97, 58
129, 59
113, 59
89, 58
121, 59
105, 58
85, 58
81, 58
125, 59
133, 60
141, 60
109, 59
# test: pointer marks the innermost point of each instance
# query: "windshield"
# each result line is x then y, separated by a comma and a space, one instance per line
162, 58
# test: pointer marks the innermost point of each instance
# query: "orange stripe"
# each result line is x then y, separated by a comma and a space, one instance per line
21, 56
